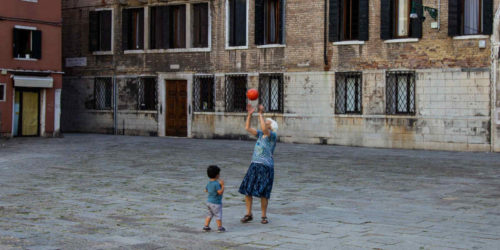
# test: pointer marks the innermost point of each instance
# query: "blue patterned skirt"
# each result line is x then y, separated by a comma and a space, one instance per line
258, 181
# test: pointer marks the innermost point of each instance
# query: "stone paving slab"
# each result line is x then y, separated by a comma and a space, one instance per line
119, 192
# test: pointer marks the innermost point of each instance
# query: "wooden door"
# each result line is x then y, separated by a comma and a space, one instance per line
29, 113
176, 113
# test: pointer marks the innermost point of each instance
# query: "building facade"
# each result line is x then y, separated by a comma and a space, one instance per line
30, 68
389, 73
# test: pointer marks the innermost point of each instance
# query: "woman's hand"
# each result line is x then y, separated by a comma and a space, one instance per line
250, 109
261, 109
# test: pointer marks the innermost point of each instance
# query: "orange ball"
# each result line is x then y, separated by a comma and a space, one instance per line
252, 94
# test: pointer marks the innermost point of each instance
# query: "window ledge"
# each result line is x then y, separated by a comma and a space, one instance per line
100, 110
25, 59
271, 46
468, 37
131, 111
135, 51
349, 115
403, 40
236, 47
179, 50
204, 112
353, 42
101, 53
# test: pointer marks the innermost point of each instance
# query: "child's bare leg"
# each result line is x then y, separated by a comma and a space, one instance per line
263, 206
207, 221
219, 223
248, 201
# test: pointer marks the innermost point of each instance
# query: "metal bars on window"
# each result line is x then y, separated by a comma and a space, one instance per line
147, 97
204, 93
103, 90
271, 92
348, 93
236, 88
400, 92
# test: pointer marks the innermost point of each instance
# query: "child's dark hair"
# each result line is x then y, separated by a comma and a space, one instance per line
213, 171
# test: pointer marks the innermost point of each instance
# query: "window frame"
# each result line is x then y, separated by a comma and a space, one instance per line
343, 21
145, 26
358, 96
197, 93
111, 51
105, 107
411, 79
226, 98
227, 30
139, 92
281, 85
395, 20
267, 24
3, 98
462, 19
30, 29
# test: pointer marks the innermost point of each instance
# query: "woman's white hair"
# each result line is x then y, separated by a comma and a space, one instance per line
274, 124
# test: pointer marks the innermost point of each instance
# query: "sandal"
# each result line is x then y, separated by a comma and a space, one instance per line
264, 220
246, 218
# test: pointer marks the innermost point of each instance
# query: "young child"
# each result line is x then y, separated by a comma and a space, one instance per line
215, 189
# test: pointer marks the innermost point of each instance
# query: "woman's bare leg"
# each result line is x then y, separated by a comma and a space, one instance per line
263, 206
248, 201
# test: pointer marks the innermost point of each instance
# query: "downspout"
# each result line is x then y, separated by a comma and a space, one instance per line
325, 49
439, 15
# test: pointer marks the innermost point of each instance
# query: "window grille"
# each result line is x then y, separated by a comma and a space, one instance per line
147, 97
271, 92
236, 88
348, 93
103, 90
204, 93
400, 92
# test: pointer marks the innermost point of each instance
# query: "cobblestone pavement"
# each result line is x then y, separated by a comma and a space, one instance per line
119, 192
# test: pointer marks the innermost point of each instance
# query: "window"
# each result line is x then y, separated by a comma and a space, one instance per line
348, 20
271, 92
200, 25
27, 43
204, 93
237, 23
2, 92
269, 22
470, 17
103, 89
400, 93
177, 29
147, 94
401, 24
133, 29
348, 93
100, 30
236, 88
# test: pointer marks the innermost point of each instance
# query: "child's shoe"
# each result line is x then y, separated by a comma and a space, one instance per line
206, 229
221, 230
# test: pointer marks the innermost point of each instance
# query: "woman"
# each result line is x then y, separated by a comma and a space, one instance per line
258, 181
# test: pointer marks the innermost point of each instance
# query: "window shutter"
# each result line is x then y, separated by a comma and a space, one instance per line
385, 20
259, 22
37, 44
487, 17
182, 26
165, 26
141, 29
416, 23
334, 23
454, 18
125, 29
364, 23
204, 25
240, 23
196, 26
153, 26
232, 24
93, 31
14, 43
105, 30
282, 25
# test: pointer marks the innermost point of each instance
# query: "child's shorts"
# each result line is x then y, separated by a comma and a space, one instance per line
214, 210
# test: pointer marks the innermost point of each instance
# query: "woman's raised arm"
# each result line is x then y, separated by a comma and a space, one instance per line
250, 111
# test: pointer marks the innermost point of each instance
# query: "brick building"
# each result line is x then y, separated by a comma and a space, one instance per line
389, 73
30, 68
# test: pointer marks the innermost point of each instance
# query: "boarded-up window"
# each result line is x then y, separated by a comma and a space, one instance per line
177, 26
147, 97
400, 24
159, 24
271, 92
236, 88
204, 93
103, 90
269, 22
237, 23
100, 30
27, 43
133, 29
200, 25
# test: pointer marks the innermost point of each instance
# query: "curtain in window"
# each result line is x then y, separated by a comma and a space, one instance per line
403, 17
471, 17
272, 26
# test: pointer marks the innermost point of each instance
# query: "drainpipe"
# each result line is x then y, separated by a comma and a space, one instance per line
439, 15
325, 49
